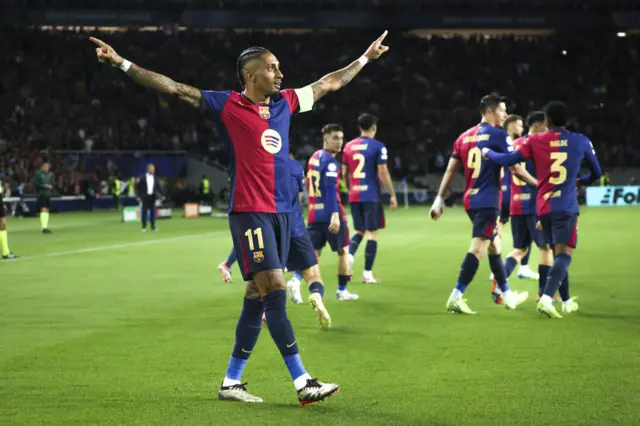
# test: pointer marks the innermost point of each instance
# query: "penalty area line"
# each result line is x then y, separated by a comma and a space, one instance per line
114, 246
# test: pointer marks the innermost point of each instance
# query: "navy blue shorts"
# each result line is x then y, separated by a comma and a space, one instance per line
261, 241
484, 222
320, 236
524, 232
560, 228
367, 216
505, 213
301, 254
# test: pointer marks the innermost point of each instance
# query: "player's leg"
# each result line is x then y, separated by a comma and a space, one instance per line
357, 215
457, 303
316, 298
301, 257
225, 267
544, 266
339, 243
247, 332
510, 299
4, 239
564, 234
371, 250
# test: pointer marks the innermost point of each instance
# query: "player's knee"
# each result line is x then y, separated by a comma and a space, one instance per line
268, 281
563, 249
343, 251
495, 247
361, 233
371, 235
3, 224
312, 274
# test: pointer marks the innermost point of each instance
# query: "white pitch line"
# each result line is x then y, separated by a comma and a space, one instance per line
114, 246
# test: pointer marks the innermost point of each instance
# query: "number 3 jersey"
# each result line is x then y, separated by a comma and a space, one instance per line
363, 156
557, 155
482, 177
323, 186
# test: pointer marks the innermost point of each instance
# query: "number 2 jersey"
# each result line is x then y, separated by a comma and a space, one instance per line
482, 177
323, 186
362, 156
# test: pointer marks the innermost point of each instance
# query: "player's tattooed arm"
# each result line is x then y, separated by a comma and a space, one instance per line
164, 84
338, 79
144, 77
521, 172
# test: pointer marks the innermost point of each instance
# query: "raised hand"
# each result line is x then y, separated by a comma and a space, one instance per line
106, 54
377, 49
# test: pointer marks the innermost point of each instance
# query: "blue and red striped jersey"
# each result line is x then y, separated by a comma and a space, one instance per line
523, 195
323, 183
257, 139
482, 178
296, 174
557, 155
362, 156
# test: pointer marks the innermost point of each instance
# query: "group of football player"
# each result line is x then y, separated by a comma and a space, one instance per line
265, 213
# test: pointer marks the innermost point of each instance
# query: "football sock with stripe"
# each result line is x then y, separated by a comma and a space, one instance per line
317, 287
557, 274
467, 272
510, 264
282, 334
497, 267
370, 252
356, 239
343, 280
564, 289
247, 332
543, 271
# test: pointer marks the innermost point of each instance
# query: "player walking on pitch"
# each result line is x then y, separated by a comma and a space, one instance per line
365, 166
481, 200
255, 125
327, 218
557, 155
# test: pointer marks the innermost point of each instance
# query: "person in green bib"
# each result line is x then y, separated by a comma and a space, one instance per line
205, 190
43, 183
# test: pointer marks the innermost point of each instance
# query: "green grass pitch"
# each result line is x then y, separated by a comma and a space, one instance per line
101, 324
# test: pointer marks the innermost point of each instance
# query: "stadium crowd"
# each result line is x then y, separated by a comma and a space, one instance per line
425, 91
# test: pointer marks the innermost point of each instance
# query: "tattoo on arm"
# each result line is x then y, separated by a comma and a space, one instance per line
164, 84
335, 80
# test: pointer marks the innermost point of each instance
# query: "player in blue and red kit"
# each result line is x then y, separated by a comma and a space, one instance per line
365, 166
327, 218
557, 155
514, 126
481, 201
523, 214
254, 125
302, 256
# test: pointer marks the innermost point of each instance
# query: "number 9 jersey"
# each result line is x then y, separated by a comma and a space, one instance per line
482, 177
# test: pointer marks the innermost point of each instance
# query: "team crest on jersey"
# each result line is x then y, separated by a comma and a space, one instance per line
258, 256
271, 141
264, 112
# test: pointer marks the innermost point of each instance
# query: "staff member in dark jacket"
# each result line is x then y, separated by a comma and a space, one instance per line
148, 193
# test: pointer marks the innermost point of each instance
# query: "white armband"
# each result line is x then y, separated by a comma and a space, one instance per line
125, 65
305, 98
363, 60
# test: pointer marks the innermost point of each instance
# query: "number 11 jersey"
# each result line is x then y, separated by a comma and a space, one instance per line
482, 177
